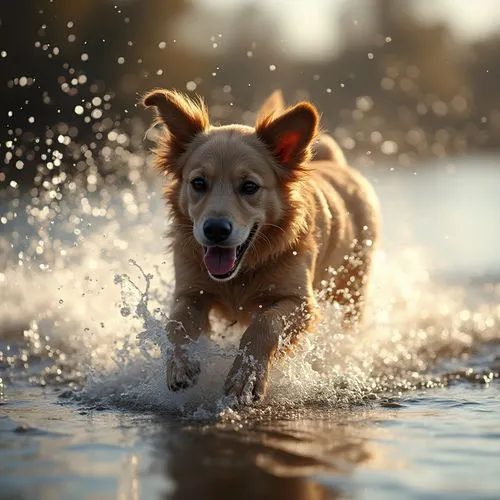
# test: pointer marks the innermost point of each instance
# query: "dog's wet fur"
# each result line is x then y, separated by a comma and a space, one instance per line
265, 220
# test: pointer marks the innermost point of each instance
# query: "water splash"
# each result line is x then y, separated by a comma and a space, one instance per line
398, 350
86, 286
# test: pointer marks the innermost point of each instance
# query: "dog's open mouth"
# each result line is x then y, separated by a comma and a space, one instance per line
222, 262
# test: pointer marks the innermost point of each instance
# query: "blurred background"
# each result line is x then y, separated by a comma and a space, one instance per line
396, 81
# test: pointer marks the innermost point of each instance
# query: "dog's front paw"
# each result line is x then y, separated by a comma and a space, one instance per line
182, 371
247, 379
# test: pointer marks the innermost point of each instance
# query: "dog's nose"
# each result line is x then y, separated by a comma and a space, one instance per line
217, 230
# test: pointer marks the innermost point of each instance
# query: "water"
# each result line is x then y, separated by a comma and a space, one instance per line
407, 407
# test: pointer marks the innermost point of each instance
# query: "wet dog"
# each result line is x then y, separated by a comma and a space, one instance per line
263, 218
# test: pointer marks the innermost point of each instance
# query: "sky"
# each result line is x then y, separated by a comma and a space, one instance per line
306, 25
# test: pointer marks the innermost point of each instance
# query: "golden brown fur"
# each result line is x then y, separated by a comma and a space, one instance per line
311, 221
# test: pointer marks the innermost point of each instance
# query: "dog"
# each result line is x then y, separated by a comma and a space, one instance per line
265, 220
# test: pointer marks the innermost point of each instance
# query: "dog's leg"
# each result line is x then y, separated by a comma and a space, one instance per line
188, 319
350, 288
247, 379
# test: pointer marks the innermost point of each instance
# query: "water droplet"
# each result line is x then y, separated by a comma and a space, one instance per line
125, 311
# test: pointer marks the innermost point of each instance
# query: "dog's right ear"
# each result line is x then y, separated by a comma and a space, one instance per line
183, 117
273, 105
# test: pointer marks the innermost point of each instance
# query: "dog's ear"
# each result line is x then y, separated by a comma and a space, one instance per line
289, 136
273, 105
183, 117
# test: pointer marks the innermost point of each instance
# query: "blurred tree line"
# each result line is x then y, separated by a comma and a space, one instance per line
71, 74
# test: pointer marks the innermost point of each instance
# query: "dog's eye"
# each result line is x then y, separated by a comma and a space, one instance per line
199, 184
249, 187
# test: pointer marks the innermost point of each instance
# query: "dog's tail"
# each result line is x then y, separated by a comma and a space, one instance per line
327, 149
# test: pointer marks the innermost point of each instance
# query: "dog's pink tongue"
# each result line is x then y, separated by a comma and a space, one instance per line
219, 260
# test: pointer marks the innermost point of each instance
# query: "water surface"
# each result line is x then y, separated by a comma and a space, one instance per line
408, 407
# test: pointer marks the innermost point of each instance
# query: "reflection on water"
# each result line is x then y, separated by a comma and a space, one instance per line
215, 462
51, 451
445, 442
146, 456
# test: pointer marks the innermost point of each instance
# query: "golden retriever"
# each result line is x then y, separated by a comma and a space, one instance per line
264, 219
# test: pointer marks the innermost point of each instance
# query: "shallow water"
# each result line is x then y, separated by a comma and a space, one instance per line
435, 444
407, 407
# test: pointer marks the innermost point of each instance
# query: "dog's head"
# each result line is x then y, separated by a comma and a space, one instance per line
232, 186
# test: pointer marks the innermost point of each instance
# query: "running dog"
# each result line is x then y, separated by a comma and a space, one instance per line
265, 220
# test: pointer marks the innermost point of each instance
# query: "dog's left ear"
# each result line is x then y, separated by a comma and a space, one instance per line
289, 136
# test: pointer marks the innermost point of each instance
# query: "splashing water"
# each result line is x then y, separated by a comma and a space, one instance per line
86, 286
